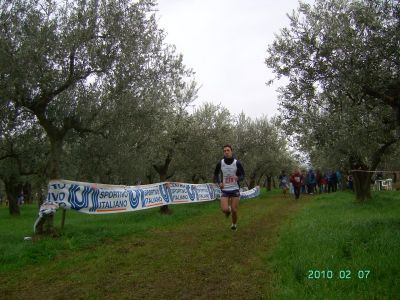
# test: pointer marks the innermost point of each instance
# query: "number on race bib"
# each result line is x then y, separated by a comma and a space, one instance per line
230, 179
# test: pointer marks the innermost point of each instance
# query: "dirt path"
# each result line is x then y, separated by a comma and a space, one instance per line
199, 258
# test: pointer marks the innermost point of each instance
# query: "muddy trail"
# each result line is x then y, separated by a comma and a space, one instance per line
200, 258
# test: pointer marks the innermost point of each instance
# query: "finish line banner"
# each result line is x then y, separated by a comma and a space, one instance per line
92, 198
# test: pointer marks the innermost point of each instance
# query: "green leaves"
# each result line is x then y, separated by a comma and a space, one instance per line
342, 69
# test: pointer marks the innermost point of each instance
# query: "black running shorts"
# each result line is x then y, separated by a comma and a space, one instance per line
234, 193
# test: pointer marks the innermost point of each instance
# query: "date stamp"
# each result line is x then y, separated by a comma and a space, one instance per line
338, 274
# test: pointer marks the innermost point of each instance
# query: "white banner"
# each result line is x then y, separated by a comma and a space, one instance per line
93, 198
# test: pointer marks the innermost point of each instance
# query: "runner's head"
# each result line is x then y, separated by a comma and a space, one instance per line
228, 153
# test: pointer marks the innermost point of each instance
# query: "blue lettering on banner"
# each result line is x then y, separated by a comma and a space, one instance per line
113, 204
134, 197
56, 197
113, 194
58, 186
181, 197
203, 196
150, 192
73, 197
192, 192
151, 201
165, 192
95, 200
211, 191
77, 196
154, 200
85, 196
143, 200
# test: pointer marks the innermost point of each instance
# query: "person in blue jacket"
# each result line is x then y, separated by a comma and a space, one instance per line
311, 181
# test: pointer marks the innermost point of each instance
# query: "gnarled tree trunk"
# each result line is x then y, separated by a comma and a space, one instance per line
12, 190
46, 225
362, 185
162, 171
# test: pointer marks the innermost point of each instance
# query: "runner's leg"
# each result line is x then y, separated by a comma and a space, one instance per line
235, 205
224, 205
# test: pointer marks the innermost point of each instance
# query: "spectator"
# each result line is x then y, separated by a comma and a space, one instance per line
350, 182
325, 182
339, 180
332, 182
283, 182
297, 179
20, 198
304, 182
311, 181
319, 181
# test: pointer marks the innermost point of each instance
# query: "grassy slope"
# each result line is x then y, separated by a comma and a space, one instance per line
190, 254
193, 254
335, 233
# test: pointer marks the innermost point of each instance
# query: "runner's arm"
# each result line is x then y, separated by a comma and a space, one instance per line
217, 173
240, 171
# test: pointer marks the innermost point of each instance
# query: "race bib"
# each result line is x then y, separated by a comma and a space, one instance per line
230, 179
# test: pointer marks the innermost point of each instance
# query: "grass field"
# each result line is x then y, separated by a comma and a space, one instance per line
322, 247
338, 249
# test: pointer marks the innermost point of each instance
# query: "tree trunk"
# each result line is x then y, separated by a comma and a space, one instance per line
162, 171
149, 178
362, 176
269, 183
12, 191
46, 227
28, 192
362, 185
252, 182
54, 157
164, 210
195, 179
259, 180
42, 194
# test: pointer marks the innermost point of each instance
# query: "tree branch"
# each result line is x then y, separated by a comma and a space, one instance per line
7, 156
388, 99
376, 157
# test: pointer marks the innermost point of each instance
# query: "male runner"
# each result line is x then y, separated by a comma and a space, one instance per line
228, 173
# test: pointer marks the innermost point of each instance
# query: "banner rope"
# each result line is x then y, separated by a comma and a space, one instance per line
368, 171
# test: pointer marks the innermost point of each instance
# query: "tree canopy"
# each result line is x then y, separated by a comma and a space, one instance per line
90, 91
342, 99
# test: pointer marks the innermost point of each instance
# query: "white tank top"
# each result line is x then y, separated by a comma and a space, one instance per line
228, 173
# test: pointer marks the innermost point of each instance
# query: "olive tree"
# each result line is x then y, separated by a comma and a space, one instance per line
23, 153
343, 94
262, 148
209, 128
82, 66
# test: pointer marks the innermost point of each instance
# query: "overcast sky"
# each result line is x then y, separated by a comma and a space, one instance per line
225, 42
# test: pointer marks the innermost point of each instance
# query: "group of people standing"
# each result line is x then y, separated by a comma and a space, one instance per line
303, 182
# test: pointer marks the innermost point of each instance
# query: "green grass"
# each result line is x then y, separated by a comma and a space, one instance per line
333, 233
81, 231
146, 256
278, 242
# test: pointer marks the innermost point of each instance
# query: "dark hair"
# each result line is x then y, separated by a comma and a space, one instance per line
227, 145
